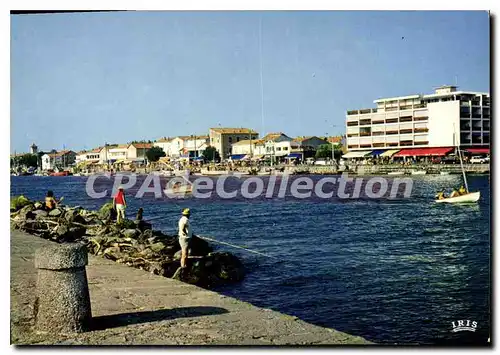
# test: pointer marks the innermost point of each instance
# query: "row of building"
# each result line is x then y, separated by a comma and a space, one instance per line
232, 144
415, 125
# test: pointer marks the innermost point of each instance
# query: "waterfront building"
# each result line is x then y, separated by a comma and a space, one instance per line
115, 152
165, 144
135, 152
248, 149
309, 145
58, 160
223, 138
278, 145
428, 124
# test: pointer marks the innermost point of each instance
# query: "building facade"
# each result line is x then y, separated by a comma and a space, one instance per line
223, 138
444, 119
251, 148
59, 160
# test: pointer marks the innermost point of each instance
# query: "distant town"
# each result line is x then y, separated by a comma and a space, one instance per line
416, 127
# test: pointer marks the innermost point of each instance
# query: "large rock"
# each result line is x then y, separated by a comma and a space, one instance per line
18, 202
199, 247
40, 214
107, 212
56, 212
130, 233
26, 212
213, 270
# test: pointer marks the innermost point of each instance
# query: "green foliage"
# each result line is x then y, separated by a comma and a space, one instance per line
325, 151
155, 153
18, 202
25, 160
211, 154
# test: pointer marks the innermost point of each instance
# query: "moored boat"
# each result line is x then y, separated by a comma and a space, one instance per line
467, 198
419, 172
396, 173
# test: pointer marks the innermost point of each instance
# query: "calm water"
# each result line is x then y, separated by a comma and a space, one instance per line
392, 271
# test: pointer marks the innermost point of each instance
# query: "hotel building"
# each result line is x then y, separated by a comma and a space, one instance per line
224, 138
423, 123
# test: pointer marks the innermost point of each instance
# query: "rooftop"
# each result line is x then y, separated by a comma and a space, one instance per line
273, 136
250, 141
141, 145
233, 130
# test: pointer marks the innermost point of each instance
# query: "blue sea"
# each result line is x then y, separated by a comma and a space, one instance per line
392, 270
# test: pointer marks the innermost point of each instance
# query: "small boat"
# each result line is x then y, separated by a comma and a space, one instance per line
467, 198
418, 172
262, 173
60, 173
444, 173
396, 173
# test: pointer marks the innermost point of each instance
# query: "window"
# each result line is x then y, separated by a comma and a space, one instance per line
278, 149
237, 139
285, 148
230, 139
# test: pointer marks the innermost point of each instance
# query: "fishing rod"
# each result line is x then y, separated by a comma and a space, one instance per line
235, 246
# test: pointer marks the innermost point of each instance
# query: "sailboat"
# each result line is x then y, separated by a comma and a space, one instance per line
469, 197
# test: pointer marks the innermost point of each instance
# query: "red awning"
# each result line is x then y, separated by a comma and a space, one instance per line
423, 152
479, 150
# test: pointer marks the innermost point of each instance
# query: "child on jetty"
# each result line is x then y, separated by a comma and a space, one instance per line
120, 204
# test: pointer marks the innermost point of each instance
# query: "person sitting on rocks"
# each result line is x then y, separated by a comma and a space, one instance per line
50, 201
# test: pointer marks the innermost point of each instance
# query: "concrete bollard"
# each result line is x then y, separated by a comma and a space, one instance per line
62, 302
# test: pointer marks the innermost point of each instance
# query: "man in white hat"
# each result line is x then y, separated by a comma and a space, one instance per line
185, 235
119, 203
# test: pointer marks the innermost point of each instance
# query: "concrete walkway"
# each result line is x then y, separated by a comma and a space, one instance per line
134, 307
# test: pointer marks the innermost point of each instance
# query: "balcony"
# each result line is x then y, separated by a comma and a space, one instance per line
392, 132
378, 133
421, 118
349, 135
365, 122
352, 112
421, 143
350, 124
419, 106
406, 119
378, 145
352, 146
408, 107
405, 131
405, 143
391, 120
365, 134
378, 122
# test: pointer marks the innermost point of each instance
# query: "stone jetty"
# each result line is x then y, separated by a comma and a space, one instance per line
134, 307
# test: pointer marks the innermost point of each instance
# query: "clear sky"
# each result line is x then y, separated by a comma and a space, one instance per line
84, 79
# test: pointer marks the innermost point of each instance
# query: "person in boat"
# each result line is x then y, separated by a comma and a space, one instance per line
120, 204
454, 193
185, 234
440, 195
462, 190
50, 201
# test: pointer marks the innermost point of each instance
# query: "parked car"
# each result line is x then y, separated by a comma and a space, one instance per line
479, 160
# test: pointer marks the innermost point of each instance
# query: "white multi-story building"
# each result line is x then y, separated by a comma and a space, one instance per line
444, 119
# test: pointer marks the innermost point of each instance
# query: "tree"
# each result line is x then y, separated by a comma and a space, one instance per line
25, 160
325, 151
211, 154
155, 153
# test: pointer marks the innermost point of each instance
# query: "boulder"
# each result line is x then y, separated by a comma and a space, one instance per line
26, 212
213, 270
107, 212
56, 212
40, 214
199, 247
77, 232
18, 202
38, 205
130, 233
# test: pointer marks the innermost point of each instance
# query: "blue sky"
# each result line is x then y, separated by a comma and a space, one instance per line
83, 79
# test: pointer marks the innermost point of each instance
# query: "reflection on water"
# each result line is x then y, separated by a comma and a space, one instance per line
395, 271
